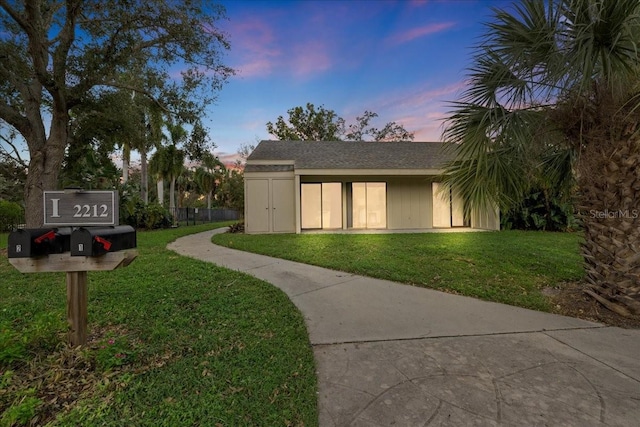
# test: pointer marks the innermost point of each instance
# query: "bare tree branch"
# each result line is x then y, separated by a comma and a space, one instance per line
16, 153
20, 20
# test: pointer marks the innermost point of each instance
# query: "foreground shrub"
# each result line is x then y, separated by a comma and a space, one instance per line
238, 227
153, 216
11, 214
540, 212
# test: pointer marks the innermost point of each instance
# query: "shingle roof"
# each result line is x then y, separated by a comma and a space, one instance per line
268, 168
353, 155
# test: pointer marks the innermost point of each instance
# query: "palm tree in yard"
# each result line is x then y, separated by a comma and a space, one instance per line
157, 169
174, 159
151, 124
207, 177
168, 162
554, 94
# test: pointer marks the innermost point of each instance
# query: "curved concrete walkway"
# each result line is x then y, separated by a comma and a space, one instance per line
389, 354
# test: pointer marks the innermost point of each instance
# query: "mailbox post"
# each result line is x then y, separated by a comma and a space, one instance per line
84, 243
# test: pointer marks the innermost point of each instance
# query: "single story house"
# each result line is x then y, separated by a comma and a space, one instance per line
293, 186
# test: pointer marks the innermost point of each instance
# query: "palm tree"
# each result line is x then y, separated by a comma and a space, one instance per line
208, 176
151, 121
157, 167
174, 158
185, 185
554, 94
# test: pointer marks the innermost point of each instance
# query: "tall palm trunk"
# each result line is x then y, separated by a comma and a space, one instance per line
125, 171
160, 189
126, 157
144, 177
172, 194
610, 208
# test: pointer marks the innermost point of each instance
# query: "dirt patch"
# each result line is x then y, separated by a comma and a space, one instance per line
568, 299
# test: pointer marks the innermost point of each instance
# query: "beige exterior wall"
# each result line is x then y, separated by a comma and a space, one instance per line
409, 204
485, 220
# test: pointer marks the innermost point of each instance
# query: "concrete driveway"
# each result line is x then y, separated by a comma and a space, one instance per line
389, 354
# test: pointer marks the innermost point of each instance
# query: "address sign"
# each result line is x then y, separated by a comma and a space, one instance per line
81, 208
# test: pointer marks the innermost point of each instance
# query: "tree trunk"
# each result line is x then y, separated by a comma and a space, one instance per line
144, 177
172, 194
46, 158
126, 158
160, 188
125, 170
609, 198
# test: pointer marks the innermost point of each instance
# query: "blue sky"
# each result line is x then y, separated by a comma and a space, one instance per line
401, 59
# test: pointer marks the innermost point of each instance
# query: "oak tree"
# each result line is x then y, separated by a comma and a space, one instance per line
321, 124
54, 53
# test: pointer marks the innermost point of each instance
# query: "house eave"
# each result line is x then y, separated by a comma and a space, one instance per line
369, 172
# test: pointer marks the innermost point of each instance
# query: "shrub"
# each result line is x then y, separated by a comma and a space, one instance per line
157, 216
238, 227
540, 212
11, 214
135, 213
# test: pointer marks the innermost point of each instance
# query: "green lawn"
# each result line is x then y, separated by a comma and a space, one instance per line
176, 342
509, 267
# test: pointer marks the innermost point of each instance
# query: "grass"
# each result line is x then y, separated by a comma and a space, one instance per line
510, 267
175, 341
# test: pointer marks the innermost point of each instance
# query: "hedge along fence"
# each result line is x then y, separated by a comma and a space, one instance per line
193, 216
11, 215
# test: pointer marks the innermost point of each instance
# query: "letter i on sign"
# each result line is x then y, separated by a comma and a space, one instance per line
55, 211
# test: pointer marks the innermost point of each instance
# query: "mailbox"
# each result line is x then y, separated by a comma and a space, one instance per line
96, 241
37, 242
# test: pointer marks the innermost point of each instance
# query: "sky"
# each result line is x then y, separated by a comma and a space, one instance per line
405, 60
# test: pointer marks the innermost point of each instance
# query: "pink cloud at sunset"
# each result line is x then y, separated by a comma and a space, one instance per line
430, 127
420, 110
417, 99
310, 58
431, 96
260, 52
255, 50
415, 33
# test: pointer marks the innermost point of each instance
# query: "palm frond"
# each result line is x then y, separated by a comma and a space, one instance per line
532, 59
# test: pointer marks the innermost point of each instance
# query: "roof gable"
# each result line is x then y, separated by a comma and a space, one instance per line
352, 155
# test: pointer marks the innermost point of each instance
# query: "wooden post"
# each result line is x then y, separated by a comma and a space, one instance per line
77, 307
76, 268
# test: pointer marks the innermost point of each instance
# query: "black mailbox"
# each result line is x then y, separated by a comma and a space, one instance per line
95, 241
37, 242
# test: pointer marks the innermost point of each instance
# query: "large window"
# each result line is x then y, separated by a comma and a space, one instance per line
369, 204
332, 205
321, 205
311, 205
